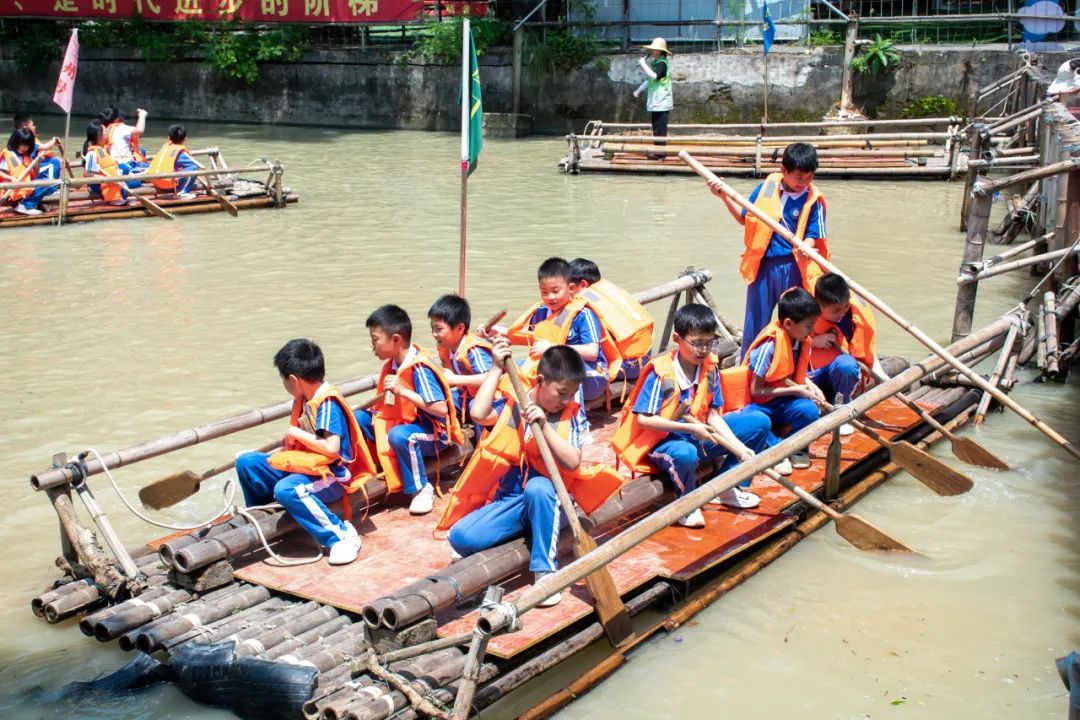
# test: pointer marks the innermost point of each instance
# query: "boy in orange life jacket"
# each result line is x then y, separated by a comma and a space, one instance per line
769, 264
414, 421
571, 322
49, 167
781, 352
336, 436
175, 157
688, 379
465, 357
14, 160
504, 492
584, 274
844, 336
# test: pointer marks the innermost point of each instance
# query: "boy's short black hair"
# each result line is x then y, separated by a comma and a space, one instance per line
561, 363
110, 114
177, 133
21, 119
302, 358
583, 269
797, 305
22, 136
832, 289
800, 156
695, 318
452, 310
553, 267
392, 320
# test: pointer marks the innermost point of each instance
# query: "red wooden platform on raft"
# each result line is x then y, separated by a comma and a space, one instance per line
399, 549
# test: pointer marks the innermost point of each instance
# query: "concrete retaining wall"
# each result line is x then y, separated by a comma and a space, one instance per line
372, 90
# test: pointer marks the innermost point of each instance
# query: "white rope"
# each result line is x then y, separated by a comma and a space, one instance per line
287, 562
229, 490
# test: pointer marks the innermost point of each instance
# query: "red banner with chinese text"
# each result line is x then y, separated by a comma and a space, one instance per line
259, 11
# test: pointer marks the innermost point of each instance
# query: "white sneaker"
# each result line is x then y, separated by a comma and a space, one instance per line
736, 497
693, 520
550, 600
423, 501
185, 196
784, 467
345, 550
801, 460
454, 555
847, 429
23, 210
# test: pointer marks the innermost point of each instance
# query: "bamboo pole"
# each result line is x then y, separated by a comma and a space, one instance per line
811, 125
1051, 333
497, 617
888, 152
989, 188
978, 220
136, 613
263, 642
995, 376
110, 179
859, 140
1004, 162
879, 305
1002, 268
975, 145
155, 638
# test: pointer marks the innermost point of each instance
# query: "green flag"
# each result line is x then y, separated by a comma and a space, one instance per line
471, 99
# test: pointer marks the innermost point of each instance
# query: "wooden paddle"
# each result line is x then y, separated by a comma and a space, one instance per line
923, 466
171, 489
223, 201
852, 528
880, 305
963, 448
154, 209
609, 606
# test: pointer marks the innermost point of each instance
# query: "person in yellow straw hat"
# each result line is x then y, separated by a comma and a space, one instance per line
658, 98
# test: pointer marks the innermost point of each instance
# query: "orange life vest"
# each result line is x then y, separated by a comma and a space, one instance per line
308, 462
108, 167
165, 162
632, 442
627, 320
461, 356
862, 345
556, 329
402, 412
757, 235
15, 167
504, 447
784, 364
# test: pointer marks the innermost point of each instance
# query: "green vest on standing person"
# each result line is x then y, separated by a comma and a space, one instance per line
658, 92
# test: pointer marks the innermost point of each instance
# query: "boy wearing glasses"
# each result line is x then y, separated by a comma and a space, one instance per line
653, 433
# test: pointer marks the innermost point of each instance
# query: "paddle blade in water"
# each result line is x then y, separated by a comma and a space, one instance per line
865, 536
973, 453
170, 490
609, 606
832, 466
928, 470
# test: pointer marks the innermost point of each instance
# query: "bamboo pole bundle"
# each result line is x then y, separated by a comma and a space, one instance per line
66, 605
55, 477
746, 170
181, 207
499, 616
37, 605
860, 152
167, 550
999, 369
827, 141
1017, 118
215, 631
87, 622
295, 643
137, 612
1050, 324
289, 628
154, 639
1040, 340
332, 650
127, 640
446, 695
392, 702
764, 127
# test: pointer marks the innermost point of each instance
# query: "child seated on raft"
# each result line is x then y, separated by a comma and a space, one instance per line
561, 319
316, 466
465, 357
412, 418
504, 491
844, 338
781, 352
627, 320
175, 157
652, 432
770, 265
49, 167
97, 162
122, 140
17, 165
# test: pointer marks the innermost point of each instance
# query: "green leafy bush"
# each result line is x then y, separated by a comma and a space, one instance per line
825, 37
442, 40
878, 57
238, 52
930, 106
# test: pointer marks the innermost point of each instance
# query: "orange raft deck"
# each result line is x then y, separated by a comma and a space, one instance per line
399, 549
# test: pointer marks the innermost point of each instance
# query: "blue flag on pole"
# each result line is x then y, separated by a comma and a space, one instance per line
768, 29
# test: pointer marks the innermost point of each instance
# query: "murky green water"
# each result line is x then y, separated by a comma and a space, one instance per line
117, 332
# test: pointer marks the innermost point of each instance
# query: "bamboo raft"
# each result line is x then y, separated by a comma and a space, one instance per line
922, 148
75, 203
383, 635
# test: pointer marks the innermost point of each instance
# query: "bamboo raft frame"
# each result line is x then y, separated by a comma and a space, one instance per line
182, 604
74, 203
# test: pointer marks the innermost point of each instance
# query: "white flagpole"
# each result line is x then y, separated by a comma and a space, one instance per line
466, 95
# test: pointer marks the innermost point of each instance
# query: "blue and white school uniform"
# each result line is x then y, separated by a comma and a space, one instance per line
584, 330
786, 410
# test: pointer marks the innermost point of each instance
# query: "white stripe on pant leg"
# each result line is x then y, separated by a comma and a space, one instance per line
315, 508
671, 470
554, 551
414, 453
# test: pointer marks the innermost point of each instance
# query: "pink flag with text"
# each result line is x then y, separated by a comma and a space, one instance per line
65, 84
